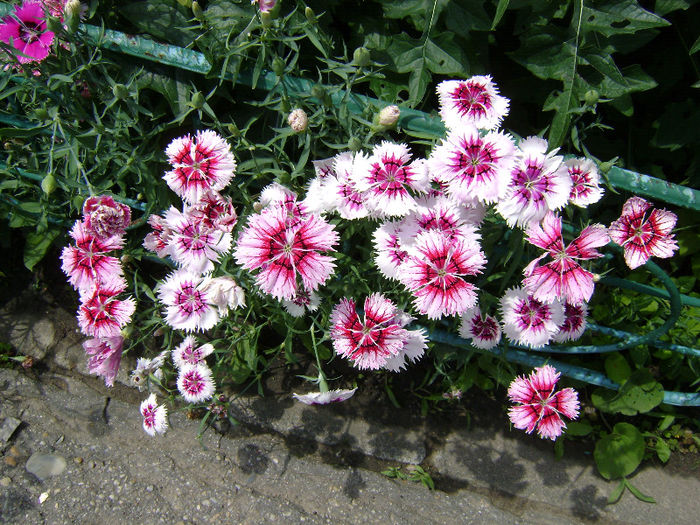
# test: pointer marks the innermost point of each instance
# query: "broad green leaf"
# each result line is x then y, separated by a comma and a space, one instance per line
619, 453
618, 17
578, 428
640, 393
36, 245
465, 16
617, 368
161, 19
663, 7
422, 13
662, 450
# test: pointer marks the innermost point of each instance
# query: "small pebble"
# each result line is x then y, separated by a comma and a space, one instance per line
78, 460
14, 451
11, 461
5, 482
45, 465
43, 497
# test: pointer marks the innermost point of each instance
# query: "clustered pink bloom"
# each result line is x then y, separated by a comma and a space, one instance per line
189, 352
378, 339
25, 31
188, 302
538, 406
324, 398
528, 321
104, 217
643, 233
563, 278
105, 355
194, 380
155, 416
585, 182
483, 330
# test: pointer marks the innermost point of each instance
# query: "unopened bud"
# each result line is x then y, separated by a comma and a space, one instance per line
389, 116
127, 331
48, 184
159, 332
233, 129
197, 11
72, 11
309, 14
41, 114
278, 66
28, 362
54, 24
361, 56
267, 6
354, 143
318, 91
591, 97
126, 259
120, 91
197, 100
298, 120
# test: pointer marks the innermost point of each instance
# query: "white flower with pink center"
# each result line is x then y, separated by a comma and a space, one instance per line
190, 352
528, 321
389, 250
563, 277
343, 193
538, 406
225, 294
215, 211
195, 246
302, 302
187, 302
540, 182
474, 101
644, 235
436, 270
474, 167
389, 179
105, 356
324, 398
585, 182
319, 198
158, 240
86, 264
369, 342
443, 215
101, 314
155, 416
195, 384
484, 331
199, 165
574, 323
285, 253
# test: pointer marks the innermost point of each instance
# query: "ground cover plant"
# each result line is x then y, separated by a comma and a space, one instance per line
221, 224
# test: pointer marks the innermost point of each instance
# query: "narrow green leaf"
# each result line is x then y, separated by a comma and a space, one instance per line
638, 493
500, 11
616, 494
695, 47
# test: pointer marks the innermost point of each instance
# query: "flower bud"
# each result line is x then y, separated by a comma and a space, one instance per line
197, 11
233, 129
318, 91
309, 14
278, 66
71, 12
257, 207
354, 143
388, 116
54, 24
591, 97
48, 184
267, 6
197, 100
298, 120
361, 56
41, 114
120, 91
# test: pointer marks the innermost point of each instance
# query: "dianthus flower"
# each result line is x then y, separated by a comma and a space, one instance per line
443, 215
147, 367
528, 321
155, 416
25, 31
285, 252
301, 302
344, 196
225, 294
474, 101
388, 179
159, 240
105, 356
574, 323
189, 352
641, 235
324, 398
101, 313
187, 301
483, 330
104, 217
435, 272
215, 211
585, 182
390, 253
539, 182
195, 384
199, 165
562, 278
474, 167
539, 406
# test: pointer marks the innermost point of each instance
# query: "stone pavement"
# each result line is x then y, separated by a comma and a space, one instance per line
74, 452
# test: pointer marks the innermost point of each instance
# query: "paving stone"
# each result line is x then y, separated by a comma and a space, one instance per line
44, 466
7, 428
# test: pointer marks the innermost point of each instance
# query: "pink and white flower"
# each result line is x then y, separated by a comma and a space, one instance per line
286, 252
483, 330
159, 240
435, 273
25, 31
199, 165
104, 217
389, 250
145, 368
644, 235
225, 294
475, 168
86, 264
528, 321
540, 182
539, 406
574, 323
215, 211
155, 416
369, 342
195, 246
324, 398
563, 278
101, 314
302, 302
190, 352
443, 215
187, 301
413, 349
585, 182
474, 101
343, 193
195, 384
105, 356
388, 179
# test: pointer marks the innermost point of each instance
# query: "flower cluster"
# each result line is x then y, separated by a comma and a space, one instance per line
194, 379
98, 278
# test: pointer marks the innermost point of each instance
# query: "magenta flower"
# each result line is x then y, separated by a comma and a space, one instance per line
563, 278
483, 330
25, 31
155, 416
474, 101
324, 398
86, 264
189, 352
104, 217
641, 235
187, 301
266, 6
199, 165
101, 314
369, 341
435, 272
528, 321
585, 182
539, 182
539, 406
105, 356
574, 323
195, 384
388, 179
474, 168
285, 252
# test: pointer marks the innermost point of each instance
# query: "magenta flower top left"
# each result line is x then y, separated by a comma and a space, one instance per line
25, 30
200, 164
